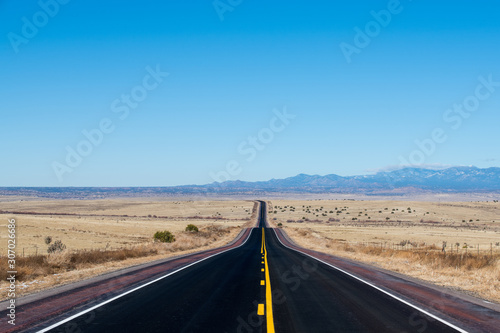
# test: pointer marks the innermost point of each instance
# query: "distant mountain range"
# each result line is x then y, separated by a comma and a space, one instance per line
459, 179
398, 182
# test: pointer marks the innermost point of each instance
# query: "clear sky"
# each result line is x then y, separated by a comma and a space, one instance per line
255, 89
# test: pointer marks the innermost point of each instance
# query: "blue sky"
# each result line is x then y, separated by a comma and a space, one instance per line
232, 67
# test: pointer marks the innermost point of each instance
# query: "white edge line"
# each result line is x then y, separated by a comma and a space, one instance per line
378, 288
137, 288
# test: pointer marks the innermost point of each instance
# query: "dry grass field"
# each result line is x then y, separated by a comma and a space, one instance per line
104, 235
101, 224
405, 237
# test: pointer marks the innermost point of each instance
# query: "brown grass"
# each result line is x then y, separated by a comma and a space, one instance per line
33, 267
111, 224
389, 235
476, 274
433, 258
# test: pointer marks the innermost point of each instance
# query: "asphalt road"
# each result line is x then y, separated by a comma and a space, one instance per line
233, 292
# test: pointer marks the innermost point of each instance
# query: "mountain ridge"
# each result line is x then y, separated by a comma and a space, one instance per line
453, 178
405, 181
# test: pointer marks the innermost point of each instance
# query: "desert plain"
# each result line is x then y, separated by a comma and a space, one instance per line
451, 244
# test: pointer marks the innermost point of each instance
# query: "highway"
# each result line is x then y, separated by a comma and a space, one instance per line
260, 286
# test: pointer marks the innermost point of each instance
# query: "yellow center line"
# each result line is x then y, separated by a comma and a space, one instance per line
262, 246
269, 297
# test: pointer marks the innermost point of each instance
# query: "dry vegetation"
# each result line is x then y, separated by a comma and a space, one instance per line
104, 235
410, 241
111, 224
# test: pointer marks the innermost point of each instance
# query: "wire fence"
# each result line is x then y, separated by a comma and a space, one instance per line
445, 247
34, 251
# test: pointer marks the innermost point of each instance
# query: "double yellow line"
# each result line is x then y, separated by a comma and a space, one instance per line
267, 282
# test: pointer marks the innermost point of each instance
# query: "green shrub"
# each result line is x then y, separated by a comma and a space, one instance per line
192, 228
57, 246
164, 237
280, 224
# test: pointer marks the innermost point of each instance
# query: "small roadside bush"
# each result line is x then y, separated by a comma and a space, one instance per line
192, 228
57, 246
280, 224
164, 237
48, 240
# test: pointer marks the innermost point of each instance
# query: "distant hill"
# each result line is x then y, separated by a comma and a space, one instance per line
398, 182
